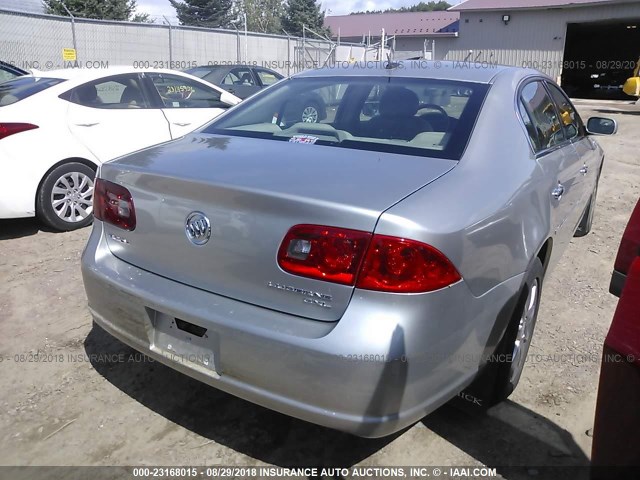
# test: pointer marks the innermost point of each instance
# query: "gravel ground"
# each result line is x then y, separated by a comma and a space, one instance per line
78, 410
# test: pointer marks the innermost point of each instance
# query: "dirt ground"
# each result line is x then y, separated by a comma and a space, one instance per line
65, 408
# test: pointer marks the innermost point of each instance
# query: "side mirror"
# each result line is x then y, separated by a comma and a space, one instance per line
601, 126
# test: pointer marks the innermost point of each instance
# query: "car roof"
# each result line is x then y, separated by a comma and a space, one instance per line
78, 76
86, 74
465, 71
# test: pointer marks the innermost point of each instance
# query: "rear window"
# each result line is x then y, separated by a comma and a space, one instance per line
199, 72
412, 116
20, 88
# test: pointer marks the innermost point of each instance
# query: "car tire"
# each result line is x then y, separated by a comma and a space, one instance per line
501, 374
310, 112
64, 200
586, 222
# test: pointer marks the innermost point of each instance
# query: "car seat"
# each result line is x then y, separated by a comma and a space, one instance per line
245, 79
132, 96
87, 95
397, 120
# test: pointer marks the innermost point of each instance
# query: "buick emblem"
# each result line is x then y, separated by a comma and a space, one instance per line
198, 228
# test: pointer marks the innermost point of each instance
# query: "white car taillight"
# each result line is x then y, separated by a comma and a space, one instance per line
7, 129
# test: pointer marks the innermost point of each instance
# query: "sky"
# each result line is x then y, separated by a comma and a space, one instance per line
158, 8
34, 6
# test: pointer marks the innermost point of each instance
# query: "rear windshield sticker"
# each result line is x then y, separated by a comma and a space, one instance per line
308, 139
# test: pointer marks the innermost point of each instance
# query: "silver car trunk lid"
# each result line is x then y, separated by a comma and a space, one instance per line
253, 191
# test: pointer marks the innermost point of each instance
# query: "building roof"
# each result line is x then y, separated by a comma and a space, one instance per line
475, 5
396, 23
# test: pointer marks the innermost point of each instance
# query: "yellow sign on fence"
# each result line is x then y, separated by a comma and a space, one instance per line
69, 54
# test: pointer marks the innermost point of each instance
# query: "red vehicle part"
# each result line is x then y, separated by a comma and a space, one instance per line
616, 448
629, 249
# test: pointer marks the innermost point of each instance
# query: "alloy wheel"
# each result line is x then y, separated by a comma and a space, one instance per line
310, 114
525, 331
72, 197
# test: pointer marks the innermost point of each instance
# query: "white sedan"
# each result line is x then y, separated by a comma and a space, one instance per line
56, 127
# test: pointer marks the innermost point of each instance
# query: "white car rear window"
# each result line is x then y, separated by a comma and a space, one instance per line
20, 88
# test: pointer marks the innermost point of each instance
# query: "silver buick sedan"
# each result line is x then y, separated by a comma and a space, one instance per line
359, 271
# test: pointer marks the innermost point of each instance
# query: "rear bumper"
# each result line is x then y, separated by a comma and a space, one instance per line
18, 195
383, 366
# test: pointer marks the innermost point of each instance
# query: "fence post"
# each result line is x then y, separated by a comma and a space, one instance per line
237, 45
73, 28
246, 40
288, 53
170, 41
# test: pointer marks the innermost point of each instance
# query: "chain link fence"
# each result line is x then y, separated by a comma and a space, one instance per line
36, 41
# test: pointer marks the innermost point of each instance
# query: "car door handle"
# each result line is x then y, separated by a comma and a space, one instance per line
181, 124
558, 191
584, 170
87, 124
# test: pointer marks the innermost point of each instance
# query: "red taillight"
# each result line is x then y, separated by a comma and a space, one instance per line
630, 243
7, 129
112, 203
391, 264
326, 253
405, 266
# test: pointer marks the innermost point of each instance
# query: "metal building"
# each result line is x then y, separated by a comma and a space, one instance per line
409, 34
590, 46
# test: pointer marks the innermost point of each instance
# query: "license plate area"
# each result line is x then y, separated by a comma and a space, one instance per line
184, 342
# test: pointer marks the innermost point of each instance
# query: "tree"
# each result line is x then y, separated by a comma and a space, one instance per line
426, 7
303, 12
418, 7
204, 13
100, 9
263, 15
141, 17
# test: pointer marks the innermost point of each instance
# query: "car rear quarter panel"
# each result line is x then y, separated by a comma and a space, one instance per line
30, 155
490, 214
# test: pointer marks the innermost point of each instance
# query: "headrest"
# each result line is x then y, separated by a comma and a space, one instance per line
399, 101
87, 93
131, 94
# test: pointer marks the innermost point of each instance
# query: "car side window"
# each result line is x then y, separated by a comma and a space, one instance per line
117, 92
211, 77
543, 115
571, 121
239, 76
267, 77
531, 129
180, 92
